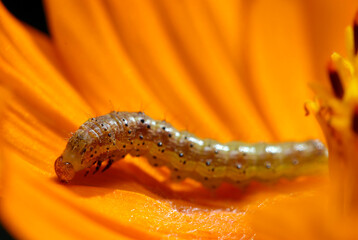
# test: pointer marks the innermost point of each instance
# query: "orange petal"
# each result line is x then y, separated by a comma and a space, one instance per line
161, 58
30, 70
281, 67
308, 217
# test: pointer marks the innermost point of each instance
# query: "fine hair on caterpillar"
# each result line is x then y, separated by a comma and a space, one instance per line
111, 137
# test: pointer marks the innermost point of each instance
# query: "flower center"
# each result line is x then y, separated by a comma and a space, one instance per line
336, 110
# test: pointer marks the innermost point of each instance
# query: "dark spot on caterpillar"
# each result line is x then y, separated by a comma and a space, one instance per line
294, 161
200, 150
126, 124
155, 164
84, 150
178, 177
105, 129
268, 165
142, 120
137, 155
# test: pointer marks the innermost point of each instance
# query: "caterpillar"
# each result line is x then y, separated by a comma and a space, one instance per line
111, 137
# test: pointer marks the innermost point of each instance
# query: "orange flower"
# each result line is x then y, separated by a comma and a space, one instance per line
233, 70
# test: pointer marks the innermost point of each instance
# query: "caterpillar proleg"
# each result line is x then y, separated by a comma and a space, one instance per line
111, 137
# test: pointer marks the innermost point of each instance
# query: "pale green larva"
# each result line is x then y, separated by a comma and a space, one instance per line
111, 137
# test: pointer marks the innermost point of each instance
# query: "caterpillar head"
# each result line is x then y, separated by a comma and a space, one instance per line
70, 161
64, 169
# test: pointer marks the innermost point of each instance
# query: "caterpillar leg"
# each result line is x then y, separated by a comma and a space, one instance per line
99, 163
109, 164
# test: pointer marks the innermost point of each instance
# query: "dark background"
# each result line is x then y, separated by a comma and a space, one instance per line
32, 13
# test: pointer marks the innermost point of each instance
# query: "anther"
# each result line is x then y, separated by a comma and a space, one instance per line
335, 80
355, 33
355, 120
